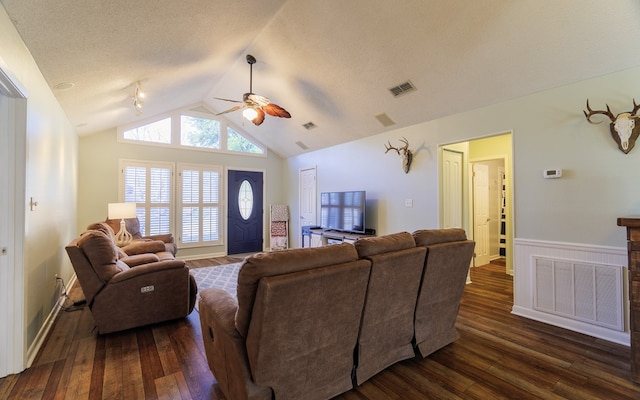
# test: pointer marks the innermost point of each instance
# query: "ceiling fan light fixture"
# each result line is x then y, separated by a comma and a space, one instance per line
255, 106
249, 113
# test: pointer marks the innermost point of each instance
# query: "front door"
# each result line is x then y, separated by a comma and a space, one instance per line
245, 213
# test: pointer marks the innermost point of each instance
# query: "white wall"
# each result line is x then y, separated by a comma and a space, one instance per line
50, 158
599, 182
549, 131
99, 155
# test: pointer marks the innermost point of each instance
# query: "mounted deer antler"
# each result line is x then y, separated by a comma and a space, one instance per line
404, 152
623, 126
591, 113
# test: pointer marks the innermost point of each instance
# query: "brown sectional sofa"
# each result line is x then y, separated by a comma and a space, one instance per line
313, 323
139, 284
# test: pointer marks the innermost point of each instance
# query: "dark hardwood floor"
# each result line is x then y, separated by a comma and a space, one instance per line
498, 356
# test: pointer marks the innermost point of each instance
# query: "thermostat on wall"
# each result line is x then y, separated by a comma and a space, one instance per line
552, 173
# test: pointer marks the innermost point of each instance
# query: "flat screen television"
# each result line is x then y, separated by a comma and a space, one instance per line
343, 211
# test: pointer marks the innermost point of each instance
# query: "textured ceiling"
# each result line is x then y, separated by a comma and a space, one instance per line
330, 62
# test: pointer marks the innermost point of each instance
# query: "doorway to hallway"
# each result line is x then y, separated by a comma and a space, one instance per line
486, 199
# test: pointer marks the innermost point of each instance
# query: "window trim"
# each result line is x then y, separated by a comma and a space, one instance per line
175, 132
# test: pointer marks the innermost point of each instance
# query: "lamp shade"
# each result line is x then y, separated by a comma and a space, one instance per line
122, 210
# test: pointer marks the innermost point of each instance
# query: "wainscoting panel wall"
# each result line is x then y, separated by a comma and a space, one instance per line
574, 286
586, 292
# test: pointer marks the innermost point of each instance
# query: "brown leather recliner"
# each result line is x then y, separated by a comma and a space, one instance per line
387, 327
125, 291
292, 331
133, 227
449, 255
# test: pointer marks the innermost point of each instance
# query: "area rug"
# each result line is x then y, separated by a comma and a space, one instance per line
220, 276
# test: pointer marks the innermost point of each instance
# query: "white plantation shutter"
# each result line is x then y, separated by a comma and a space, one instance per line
150, 186
211, 207
199, 205
160, 207
190, 213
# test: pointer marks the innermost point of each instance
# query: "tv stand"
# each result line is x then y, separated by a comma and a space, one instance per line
317, 237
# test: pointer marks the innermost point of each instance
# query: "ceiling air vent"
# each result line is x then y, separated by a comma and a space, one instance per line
385, 120
402, 88
302, 145
309, 125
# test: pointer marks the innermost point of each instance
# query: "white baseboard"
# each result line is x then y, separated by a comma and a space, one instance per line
622, 338
201, 256
33, 350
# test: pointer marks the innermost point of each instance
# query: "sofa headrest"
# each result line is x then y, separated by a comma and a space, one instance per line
106, 229
383, 244
426, 237
144, 246
102, 227
101, 252
132, 225
260, 265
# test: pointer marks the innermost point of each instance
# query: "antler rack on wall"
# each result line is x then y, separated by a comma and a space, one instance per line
404, 152
623, 127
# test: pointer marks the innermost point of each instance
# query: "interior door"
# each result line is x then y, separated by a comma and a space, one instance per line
5, 225
452, 171
308, 197
246, 212
13, 116
481, 213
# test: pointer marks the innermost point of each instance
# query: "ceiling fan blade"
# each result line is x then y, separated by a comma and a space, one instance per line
233, 101
276, 111
256, 99
231, 109
259, 119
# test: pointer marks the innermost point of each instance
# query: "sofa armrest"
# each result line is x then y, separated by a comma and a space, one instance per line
139, 259
145, 269
225, 348
220, 307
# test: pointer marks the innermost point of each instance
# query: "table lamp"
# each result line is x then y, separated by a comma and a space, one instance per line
121, 211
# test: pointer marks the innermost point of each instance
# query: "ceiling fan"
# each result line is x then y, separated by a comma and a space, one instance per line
255, 106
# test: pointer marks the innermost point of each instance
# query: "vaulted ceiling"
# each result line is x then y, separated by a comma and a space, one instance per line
329, 62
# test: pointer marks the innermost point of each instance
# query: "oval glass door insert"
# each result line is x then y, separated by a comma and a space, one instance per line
245, 199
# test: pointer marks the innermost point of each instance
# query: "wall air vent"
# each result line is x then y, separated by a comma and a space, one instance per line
309, 125
402, 88
302, 145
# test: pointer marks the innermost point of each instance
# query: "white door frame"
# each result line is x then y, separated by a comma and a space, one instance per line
13, 109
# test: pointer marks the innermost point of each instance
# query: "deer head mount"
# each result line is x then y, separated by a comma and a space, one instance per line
623, 126
404, 152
